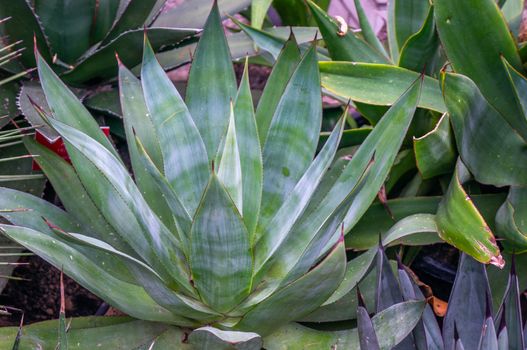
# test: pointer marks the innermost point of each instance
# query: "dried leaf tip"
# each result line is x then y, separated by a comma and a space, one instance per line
62, 298
119, 62
497, 261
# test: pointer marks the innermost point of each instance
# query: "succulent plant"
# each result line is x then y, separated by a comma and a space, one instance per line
228, 220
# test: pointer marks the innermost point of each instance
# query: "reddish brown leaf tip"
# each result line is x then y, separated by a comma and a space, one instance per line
119, 62
62, 298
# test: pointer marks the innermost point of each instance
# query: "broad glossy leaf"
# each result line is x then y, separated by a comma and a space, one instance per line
460, 223
419, 52
405, 18
278, 228
483, 136
292, 138
220, 257
510, 223
347, 46
366, 29
511, 310
284, 67
138, 123
101, 64
185, 162
213, 338
435, 152
479, 55
66, 107
230, 167
24, 26
377, 84
56, 15
120, 201
300, 297
127, 297
471, 276
86, 333
211, 84
250, 153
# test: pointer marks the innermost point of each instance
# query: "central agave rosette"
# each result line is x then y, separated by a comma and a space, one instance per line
229, 218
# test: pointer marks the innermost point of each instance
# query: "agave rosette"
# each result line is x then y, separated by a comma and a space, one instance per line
231, 218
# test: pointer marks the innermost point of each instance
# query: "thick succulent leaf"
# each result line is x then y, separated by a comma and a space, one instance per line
24, 25
220, 257
56, 15
127, 297
511, 311
460, 223
115, 194
213, 338
138, 123
483, 136
391, 326
420, 50
103, 18
485, 48
344, 46
73, 195
367, 31
66, 107
31, 92
509, 220
185, 162
211, 84
86, 333
300, 297
258, 12
101, 65
192, 14
503, 338
250, 153
435, 152
405, 19
377, 84
365, 330
488, 339
471, 276
133, 17
277, 230
292, 138
284, 67
230, 167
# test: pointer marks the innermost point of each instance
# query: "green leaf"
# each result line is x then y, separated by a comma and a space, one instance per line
488, 339
483, 136
250, 153
367, 336
220, 258
211, 84
419, 52
377, 84
66, 107
103, 19
101, 65
485, 48
367, 31
137, 120
259, 11
33, 90
213, 338
292, 138
509, 220
345, 47
105, 102
115, 194
127, 297
25, 26
85, 333
56, 15
298, 298
405, 18
435, 152
230, 168
184, 158
471, 276
460, 223
283, 69
192, 14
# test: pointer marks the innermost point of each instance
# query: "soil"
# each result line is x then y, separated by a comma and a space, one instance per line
38, 295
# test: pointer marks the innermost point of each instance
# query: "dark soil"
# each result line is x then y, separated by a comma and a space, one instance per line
39, 296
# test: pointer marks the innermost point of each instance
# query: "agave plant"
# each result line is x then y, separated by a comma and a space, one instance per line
229, 220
